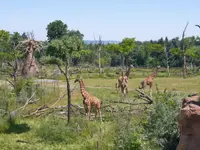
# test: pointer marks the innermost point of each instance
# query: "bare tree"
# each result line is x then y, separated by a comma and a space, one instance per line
167, 60
183, 50
99, 48
29, 47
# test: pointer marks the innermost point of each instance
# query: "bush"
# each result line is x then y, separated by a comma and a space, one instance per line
128, 134
162, 126
4, 123
55, 130
6, 102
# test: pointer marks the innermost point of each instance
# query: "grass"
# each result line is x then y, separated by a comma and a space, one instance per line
32, 134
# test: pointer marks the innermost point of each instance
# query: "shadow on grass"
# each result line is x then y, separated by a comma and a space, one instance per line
18, 128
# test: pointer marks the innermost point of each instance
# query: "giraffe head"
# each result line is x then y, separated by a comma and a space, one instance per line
131, 66
78, 78
155, 72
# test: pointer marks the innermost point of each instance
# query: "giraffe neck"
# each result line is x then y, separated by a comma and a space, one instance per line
82, 87
128, 71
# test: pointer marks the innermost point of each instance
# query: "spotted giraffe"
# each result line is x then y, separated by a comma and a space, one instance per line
122, 81
89, 100
148, 81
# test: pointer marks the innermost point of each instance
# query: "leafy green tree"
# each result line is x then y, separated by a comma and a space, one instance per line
61, 52
24, 36
16, 38
56, 29
81, 56
9, 55
126, 46
75, 32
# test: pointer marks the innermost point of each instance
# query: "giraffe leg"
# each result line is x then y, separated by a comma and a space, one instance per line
96, 110
150, 89
89, 108
99, 111
117, 87
86, 111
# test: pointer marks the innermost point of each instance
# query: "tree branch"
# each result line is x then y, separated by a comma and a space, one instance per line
183, 35
144, 96
10, 82
61, 70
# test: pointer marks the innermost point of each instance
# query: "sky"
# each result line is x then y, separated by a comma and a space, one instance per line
112, 19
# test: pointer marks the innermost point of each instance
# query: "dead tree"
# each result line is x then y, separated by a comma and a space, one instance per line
28, 47
184, 55
99, 48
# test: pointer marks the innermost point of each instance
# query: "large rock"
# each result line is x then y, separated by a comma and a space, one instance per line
189, 124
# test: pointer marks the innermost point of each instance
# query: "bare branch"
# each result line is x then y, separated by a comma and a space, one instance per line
144, 96
59, 99
183, 35
61, 70
10, 82
9, 64
23, 107
128, 103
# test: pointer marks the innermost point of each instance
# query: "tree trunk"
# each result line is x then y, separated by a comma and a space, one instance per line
184, 66
167, 62
69, 99
100, 71
67, 76
123, 60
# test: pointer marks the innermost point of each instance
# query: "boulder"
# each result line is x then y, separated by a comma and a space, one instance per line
189, 123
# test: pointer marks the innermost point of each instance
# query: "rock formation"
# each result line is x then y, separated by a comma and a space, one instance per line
189, 124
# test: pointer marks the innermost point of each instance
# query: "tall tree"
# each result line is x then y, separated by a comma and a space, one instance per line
99, 46
24, 36
126, 46
61, 54
56, 29
16, 38
167, 50
184, 54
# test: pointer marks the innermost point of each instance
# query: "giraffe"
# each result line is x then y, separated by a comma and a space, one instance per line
148, 81
122, 81
89, 100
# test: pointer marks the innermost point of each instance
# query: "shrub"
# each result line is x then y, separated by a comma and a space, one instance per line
128, 134
162, 127
6, 102
55, 130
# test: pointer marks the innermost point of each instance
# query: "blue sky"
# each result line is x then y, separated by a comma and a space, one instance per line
113, 19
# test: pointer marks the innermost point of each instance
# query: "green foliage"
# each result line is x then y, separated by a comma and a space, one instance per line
56, 29
4, 123
50, 60
63, 47
16, 38
161, 127
127, 45
7, 99
128, 133
4, 36
55, 130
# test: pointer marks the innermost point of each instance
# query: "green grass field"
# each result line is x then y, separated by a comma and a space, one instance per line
27, 129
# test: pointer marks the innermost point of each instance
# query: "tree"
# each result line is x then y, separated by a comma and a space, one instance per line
24, 36
183, 50
9, 55
29, 47
61, 54
99, 48
126, 46
75, 32
167, 50
16, 38
56, 29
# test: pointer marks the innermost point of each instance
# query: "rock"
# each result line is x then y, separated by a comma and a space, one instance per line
189, 124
